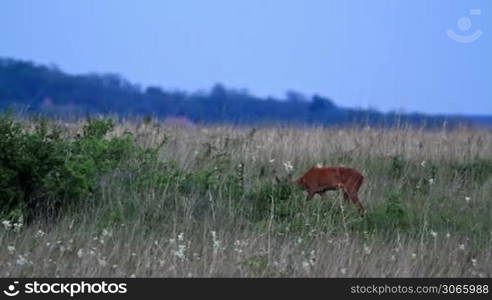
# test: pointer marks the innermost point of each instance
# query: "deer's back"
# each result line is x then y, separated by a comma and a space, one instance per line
331, 175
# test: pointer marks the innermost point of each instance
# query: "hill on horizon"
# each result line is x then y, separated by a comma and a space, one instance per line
48, 90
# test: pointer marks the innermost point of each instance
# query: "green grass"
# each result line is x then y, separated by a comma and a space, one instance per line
207, 205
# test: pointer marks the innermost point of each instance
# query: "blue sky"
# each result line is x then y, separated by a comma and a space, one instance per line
383, 54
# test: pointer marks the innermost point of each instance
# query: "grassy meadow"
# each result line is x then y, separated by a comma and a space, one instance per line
209, 207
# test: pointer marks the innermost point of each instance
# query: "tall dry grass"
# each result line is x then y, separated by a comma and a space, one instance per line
429, 209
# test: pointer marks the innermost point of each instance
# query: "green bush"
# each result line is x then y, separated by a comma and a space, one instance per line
398, 165
270, 198
390, 215
41, 172
475, 171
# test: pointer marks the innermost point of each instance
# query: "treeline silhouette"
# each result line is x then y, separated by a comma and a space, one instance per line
48, 90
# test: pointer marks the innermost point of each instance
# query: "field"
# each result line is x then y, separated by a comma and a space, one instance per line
211, 207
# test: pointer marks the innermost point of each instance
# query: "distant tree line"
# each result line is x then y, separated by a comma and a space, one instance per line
48, 90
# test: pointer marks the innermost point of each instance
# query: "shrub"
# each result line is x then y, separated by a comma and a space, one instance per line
475, 171
267, 194
391, 215
42, 172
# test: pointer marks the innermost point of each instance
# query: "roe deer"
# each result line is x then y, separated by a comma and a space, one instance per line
318, 180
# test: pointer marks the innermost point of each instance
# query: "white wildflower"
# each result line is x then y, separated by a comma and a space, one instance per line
11, 249
40, 234
462, 247
80, 253
102, 262
367, 250
414, 255
431, 181
6, 224
433, 233
18, 225
272, 160
474, 262
216, 242
423, 163
107, 233
238, 246
343, 271
312, 257
180, 253
467, 199
288, 166
306, 266
21, 260
448, 235
181, 236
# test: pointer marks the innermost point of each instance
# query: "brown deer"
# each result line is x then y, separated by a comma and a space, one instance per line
318, 180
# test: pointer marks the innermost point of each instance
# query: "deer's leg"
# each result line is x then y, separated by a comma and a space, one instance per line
352, 191
352, 195
356, 202
310, 195
346, 196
